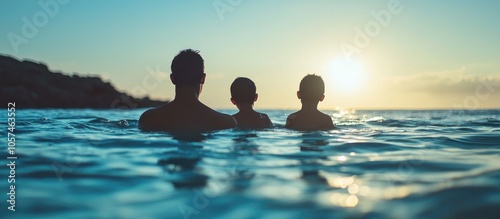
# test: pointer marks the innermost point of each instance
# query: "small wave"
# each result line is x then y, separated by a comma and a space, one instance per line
488, 122
373, 147
446, 162
99, 120
467, 202
481, 140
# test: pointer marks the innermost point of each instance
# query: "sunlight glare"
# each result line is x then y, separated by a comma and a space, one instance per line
346, 75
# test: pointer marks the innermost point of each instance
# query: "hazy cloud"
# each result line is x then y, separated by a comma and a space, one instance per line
458, 81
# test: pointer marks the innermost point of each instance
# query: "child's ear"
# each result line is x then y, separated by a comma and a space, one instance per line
256, 97
298, 94
172, 79
322, 97
232, 101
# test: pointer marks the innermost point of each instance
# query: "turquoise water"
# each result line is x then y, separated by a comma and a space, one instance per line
379, 164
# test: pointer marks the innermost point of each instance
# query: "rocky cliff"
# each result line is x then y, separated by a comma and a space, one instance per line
33, 85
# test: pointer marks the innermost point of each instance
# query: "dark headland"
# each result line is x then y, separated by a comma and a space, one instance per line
33, 85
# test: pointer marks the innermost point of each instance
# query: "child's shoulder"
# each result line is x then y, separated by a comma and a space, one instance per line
266, 120
293, 115
324, 114
262, 115
328, 121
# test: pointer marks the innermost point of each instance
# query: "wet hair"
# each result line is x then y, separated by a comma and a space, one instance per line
187, 68
311, 88
243, 90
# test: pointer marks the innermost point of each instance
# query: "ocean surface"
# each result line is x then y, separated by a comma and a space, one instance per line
378, 164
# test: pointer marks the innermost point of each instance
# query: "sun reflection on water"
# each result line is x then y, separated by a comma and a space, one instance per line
349, 199
341, 182
341, 158
353, 189
350, 117
352, 192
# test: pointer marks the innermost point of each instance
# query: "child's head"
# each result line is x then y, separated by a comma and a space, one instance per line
243, 91
312, 89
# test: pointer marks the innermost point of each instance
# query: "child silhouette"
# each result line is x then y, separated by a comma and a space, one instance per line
243, 95
309, 118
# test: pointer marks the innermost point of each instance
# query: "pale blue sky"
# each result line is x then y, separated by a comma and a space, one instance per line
432, 54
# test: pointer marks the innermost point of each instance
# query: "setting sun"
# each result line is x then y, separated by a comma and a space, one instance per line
346, 75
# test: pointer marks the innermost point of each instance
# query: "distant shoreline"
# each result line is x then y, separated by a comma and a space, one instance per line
33, 86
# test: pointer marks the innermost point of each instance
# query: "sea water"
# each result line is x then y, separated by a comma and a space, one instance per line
377, 164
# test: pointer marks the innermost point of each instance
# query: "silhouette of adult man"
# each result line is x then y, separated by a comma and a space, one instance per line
186, 113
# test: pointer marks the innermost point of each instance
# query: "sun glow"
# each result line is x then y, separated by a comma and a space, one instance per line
346, 75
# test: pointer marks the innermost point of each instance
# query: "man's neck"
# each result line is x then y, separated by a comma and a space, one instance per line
186, 94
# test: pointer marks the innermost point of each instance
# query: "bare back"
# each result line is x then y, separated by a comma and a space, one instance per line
193, 116
309, 121
252, 120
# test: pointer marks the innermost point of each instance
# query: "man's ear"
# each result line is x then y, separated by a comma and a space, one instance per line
232, 101
256, 97
322, 97
298, 94
172, 78
202, 81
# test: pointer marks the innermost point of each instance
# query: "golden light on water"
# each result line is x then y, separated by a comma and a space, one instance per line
352, 188
396, 192
344, 200
341, 182
342, 158
351, 201
364, 190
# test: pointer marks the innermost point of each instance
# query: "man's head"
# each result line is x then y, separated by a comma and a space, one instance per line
243, 91
188, 69
311, 89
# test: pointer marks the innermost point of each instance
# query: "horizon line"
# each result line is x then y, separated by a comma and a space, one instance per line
376, 108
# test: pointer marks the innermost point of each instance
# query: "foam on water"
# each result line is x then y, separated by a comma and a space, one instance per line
379, 164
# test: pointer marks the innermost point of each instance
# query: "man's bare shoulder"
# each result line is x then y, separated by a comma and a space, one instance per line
151, 118
148, 118
222, 115
225, 120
